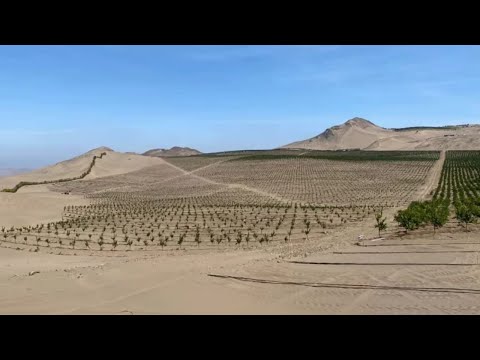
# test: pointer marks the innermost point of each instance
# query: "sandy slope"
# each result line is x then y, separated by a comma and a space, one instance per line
119, 163
359, 133
62, 170
113, 163
35, 204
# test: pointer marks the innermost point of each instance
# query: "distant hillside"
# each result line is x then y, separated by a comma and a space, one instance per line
114, 163
174, 151
358, 133
13, 172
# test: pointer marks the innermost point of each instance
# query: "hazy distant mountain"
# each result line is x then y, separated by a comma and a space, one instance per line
13, 172
174, 151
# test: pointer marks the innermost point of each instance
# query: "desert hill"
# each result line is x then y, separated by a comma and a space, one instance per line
114, 163
174, 151
358, 133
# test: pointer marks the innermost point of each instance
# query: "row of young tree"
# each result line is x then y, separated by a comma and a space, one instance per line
460, 178
467, 211
458, 191
437, 213
420, 213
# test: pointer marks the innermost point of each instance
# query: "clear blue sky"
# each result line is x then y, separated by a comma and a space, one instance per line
60, 101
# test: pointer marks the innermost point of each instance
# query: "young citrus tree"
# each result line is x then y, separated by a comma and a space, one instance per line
410, 218
465, 213
381, 224
437, 213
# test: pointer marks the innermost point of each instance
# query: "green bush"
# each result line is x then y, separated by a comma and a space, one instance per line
467, 212
409, 219
436, 213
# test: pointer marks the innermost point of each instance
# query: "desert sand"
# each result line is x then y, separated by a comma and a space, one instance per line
414, 275
37, 204
358, 133
330, 272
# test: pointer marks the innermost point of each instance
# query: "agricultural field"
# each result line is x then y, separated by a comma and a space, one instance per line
192, 163
327, 182
228, 202
131, 181
126, 226
456, 200
294, 152
340, 155
460, 179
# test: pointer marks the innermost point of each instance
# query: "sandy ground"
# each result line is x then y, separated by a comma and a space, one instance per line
329, 274
433, 178
32, 205
416, 274
114, 163
119, 163
359, 134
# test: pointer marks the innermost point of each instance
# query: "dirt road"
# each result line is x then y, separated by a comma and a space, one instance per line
433, 177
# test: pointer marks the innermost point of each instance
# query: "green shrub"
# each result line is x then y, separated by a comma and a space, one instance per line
436, 213
466, 212
409, 219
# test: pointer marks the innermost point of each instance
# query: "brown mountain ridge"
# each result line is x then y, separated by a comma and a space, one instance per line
359, 133
174, 151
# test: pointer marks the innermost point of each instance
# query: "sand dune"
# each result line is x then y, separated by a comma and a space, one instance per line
62, 170
359, 133
37, 204
119, 163
114, 163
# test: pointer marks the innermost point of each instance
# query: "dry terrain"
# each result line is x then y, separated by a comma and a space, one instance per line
242, 233
174, 151
358, 133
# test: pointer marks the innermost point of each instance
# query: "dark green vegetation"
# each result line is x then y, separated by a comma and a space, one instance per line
458, 188
27, 183
356, 155
460, 179
467, 212
413, 128
252, 152
434, 213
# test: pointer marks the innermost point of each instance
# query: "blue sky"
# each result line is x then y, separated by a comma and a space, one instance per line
59, 101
